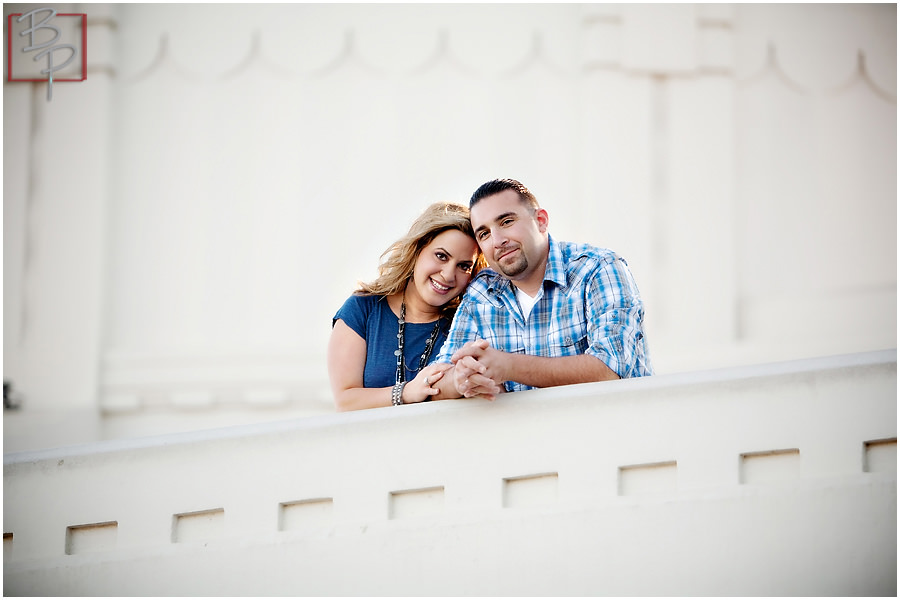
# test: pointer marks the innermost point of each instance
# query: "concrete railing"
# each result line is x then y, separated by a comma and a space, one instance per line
767, 480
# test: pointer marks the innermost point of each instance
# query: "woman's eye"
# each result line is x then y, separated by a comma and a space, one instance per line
440, 255
466, 268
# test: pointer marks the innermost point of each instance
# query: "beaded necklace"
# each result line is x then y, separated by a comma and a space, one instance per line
429, 346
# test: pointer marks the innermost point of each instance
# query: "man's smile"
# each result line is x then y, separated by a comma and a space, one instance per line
505, 252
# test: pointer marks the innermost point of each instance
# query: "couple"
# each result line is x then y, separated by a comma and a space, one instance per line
545, 313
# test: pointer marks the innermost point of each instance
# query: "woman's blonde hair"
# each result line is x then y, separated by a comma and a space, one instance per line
399, 260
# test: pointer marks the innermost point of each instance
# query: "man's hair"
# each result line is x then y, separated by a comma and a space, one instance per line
496, 186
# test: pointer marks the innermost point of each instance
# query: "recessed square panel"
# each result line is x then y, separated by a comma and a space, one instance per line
770, 466
416, 503
198, 526
650, 478
304, 514
531, 490
97, 537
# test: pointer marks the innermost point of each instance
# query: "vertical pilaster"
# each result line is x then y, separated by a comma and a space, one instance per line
58, 152
658, 162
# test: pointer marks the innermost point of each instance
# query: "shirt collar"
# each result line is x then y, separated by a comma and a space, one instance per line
556, 266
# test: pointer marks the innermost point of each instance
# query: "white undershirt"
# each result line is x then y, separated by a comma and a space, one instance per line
526, 302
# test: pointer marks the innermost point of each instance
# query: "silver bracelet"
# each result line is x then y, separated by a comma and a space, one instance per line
397, 393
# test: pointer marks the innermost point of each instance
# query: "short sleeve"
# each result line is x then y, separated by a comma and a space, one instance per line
355, 312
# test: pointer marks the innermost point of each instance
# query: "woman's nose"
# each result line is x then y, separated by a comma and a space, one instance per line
448, 272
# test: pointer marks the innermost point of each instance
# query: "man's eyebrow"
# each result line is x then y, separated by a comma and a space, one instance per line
499, 218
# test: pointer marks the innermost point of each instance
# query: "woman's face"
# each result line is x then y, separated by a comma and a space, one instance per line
444, 267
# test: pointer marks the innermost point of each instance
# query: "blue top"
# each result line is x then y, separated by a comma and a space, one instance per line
372, 318
588, 304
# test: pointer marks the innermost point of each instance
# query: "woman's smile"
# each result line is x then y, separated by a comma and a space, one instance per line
438, 287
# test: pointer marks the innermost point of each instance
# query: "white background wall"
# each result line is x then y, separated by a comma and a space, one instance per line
180, 228
776, 480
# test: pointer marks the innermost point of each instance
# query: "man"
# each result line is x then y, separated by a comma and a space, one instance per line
546, 313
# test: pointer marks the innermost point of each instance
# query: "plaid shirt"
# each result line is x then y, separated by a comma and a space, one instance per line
589, 304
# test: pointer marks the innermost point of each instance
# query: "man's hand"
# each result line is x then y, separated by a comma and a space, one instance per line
485, 355
473, 374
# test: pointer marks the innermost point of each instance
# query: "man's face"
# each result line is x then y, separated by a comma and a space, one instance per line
511, 236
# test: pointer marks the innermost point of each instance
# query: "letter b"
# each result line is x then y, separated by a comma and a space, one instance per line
34, 27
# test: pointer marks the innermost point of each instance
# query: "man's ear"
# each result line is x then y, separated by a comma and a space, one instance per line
542, 218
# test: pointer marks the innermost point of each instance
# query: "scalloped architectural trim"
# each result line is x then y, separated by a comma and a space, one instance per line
772, 68
535, 57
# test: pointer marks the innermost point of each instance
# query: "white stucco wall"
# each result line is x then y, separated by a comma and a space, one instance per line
777, 480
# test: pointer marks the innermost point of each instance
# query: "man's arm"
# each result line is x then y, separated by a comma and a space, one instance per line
614, 314
534, 371
540, 371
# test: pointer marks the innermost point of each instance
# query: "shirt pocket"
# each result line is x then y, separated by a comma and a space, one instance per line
507, 341
568, 339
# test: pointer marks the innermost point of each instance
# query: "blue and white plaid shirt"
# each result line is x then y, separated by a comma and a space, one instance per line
589, 304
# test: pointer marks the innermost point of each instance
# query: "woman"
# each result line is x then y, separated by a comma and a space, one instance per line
385, 334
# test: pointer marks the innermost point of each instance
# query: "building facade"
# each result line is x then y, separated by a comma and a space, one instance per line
180, 227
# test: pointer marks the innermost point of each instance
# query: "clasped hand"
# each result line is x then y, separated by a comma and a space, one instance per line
478, 370
422, 386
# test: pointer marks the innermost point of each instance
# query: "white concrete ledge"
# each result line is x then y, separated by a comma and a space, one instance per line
798, 368
767, 480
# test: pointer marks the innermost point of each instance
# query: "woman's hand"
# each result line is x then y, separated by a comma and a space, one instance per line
422, 387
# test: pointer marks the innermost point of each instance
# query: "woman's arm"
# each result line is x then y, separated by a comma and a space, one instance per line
347, 363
